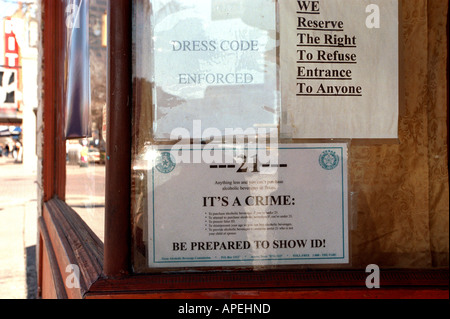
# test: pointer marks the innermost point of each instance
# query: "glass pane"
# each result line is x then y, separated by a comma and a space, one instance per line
204, 54
203, 67
85, 169
199, 65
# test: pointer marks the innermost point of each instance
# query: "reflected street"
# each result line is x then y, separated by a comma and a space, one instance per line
85, 193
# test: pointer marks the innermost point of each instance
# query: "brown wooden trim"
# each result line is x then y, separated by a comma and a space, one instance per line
326, 293
78, 234
39, 261
49, 13
118, 151
60, 139
74, 244
259, 281
47, 283
49, 97
448, 105
48, 247
53, 157
68, 240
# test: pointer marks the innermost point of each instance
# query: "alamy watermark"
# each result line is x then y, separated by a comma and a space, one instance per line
253, 149
73, 276
373, 19
373, 280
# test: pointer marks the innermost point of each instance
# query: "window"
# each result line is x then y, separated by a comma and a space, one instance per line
86, 157
182, 77
396, 220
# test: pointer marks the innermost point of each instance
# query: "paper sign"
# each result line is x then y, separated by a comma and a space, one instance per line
215, 62
248, 212
339, 67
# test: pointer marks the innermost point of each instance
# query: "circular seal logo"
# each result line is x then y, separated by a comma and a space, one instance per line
165, 163
329, 160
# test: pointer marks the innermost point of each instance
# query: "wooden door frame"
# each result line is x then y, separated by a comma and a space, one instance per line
105, 269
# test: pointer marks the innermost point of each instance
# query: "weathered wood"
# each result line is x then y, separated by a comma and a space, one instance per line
66, 239
118, 153
326, 293
293, 279
49, 90
51, 282
74, 244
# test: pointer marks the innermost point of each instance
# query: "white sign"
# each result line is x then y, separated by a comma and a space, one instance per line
339, 68
244, 212
214, 61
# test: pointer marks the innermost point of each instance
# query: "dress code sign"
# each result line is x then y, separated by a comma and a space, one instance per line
214, 62
339, 68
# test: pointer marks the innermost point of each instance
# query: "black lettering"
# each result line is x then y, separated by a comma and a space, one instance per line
308, 6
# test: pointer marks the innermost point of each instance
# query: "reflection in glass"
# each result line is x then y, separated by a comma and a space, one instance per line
213, 61
85, 167
197, 61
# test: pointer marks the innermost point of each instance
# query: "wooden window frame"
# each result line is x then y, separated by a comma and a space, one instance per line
106, 269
